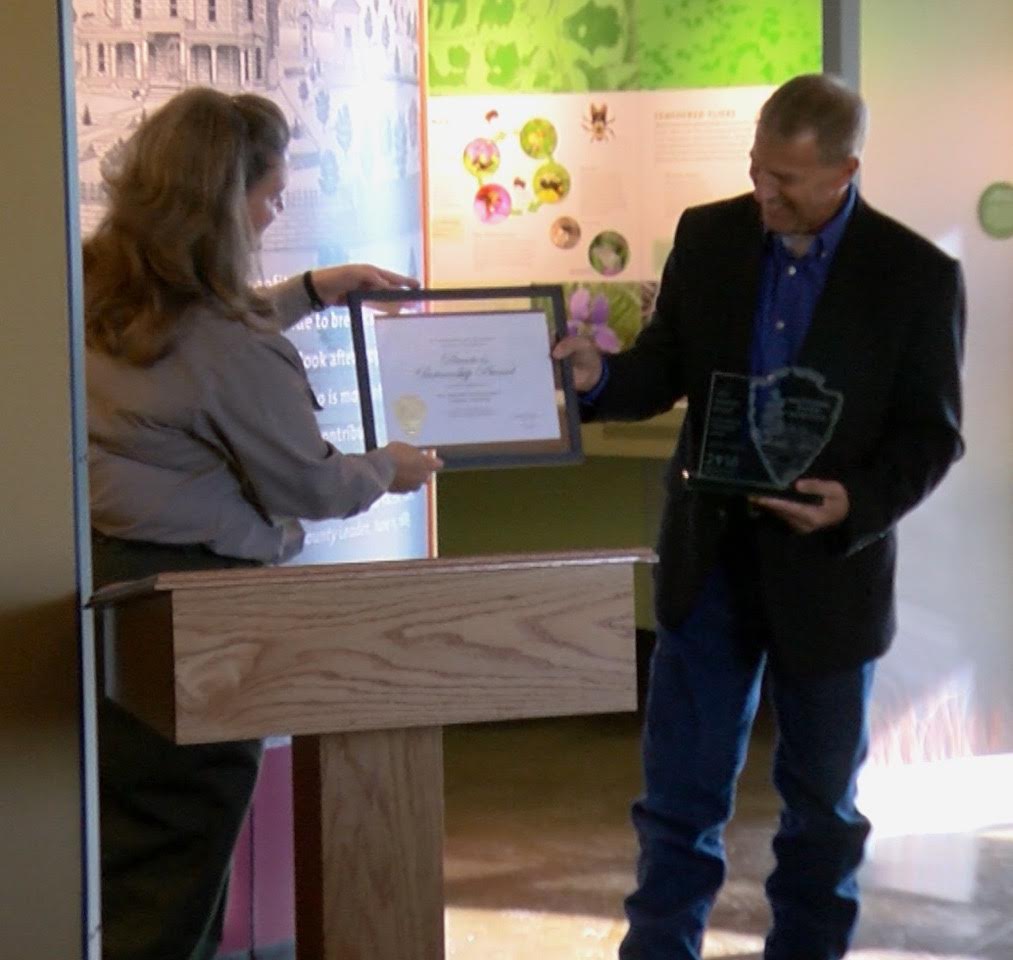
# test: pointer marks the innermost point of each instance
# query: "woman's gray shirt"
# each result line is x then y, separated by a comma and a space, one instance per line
217, 443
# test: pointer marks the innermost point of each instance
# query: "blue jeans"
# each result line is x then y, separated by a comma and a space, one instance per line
702, 699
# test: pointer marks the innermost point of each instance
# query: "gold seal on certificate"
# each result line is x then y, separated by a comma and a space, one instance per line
410, 410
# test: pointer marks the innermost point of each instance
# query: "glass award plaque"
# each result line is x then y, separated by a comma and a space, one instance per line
762, 433
467, 373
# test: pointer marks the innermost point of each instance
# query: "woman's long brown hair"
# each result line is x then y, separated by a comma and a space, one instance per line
176, 231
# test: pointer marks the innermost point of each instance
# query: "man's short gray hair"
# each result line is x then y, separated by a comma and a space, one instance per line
819, 104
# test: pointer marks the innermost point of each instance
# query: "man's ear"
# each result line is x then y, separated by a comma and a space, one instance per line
850, 168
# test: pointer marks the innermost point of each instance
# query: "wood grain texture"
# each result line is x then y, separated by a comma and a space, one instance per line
369, 845
374, 658
137, 645
436, 647
268, 577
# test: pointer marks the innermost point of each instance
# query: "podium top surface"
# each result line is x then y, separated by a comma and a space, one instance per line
378, 569
231, 654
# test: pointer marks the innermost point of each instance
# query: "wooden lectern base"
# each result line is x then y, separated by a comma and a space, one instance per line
369, 844
364, 664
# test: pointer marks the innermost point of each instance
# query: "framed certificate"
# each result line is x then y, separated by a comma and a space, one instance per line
468, 373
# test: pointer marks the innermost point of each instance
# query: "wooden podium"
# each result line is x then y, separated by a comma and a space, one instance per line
364, 664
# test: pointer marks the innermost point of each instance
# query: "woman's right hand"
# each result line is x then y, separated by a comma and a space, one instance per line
412, 467
585, 360
333, 284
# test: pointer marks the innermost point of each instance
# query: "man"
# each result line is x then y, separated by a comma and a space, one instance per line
799, 273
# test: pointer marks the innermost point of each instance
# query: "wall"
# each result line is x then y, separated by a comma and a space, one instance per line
941, 131
939, 82
605, 502
40, 809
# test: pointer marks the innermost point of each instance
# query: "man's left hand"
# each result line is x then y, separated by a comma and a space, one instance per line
333, 284
807, 517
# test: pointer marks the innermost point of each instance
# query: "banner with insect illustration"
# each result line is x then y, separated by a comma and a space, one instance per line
565, 140
578, 186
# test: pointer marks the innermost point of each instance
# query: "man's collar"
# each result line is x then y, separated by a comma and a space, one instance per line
827, 238
830, 235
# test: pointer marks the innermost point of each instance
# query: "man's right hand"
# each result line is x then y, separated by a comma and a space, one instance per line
585, 360
412, 467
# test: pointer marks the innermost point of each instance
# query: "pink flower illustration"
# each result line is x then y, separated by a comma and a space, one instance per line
481, 157
492, 203
590, 317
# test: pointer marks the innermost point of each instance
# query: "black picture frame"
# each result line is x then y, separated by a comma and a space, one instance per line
494, 454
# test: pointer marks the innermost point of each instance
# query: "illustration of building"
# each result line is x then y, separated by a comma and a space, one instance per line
137, 45
321, 39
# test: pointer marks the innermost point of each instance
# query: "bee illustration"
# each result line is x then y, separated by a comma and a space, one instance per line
599, 124
552, 185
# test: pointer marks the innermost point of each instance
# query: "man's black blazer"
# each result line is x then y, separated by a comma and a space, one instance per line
888, 333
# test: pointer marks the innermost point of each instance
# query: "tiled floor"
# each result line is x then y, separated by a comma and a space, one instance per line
540, 855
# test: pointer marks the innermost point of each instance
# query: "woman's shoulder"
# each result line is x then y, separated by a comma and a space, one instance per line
203, 330
210, 340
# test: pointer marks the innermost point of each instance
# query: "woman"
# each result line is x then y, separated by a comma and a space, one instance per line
204, 451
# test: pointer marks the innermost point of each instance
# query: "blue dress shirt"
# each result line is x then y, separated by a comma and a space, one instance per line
790, 287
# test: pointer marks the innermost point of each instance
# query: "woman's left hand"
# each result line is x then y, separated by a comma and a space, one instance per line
333, 284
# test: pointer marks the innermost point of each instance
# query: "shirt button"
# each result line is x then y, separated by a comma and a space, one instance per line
792, 271
779, 325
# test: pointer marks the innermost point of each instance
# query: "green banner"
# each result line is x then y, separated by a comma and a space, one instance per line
567, 46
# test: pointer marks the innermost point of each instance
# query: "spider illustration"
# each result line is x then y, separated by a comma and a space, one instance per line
599, 124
